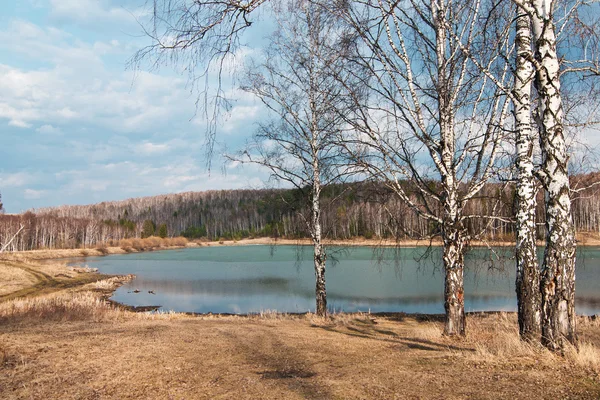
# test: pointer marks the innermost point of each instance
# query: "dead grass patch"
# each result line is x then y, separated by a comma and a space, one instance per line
70, 306
9, 358
428, 331
587, 355
118, 354
109, 284
14, 279
102, 250
151, 243
495, 339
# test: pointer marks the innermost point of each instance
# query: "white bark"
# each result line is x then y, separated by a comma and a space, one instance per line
453, 236
558, 271
5, 246
527, 276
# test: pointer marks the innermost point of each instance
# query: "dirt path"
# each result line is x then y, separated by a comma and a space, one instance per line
35, 281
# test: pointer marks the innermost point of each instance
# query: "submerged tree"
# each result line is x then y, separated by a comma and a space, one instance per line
295, 82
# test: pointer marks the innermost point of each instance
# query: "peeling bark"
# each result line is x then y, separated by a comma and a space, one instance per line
320, 292
558, 272
528, 274
454, 290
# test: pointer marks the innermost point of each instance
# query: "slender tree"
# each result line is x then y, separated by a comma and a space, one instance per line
528, 274
295, 82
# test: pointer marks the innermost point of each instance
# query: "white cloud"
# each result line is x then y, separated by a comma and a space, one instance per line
15, 179
19, 123
48, 130
242, 116
98, 129
149, 148
176, 182
31, 194
94, 12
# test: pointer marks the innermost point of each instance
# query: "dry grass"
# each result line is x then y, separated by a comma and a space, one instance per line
102, 250
495, 339
587, 355
123, 246
428, 331
13, 279
151, 243
70, 306
120, 355
108, 285
74, 343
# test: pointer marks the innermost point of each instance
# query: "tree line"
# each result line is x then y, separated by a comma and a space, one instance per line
352, 210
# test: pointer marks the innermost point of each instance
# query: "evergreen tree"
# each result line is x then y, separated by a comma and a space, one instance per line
162, 231
148, 229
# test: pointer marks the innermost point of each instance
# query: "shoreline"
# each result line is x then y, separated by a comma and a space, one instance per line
583, 240
46, 271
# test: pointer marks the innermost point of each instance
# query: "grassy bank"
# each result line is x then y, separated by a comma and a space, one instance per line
73, 344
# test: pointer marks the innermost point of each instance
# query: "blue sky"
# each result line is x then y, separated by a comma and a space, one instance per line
78, 127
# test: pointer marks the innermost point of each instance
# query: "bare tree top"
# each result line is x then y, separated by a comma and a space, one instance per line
198, 36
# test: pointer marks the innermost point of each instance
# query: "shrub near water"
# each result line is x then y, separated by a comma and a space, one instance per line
152, 242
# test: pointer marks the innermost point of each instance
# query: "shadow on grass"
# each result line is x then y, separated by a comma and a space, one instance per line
367, 329
281, 363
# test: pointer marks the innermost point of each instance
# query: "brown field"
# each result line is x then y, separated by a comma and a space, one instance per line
61, 339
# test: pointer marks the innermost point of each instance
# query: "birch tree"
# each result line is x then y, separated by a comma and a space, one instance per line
558, 319
433, 119
542, 66
296, 84
527, 274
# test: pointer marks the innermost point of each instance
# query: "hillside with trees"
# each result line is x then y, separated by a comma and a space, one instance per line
349, 210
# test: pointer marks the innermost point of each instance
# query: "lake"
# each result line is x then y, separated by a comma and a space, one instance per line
250, 279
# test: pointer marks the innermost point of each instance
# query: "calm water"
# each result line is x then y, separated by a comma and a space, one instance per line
247, 279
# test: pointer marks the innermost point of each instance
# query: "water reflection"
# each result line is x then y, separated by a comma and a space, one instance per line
251, 279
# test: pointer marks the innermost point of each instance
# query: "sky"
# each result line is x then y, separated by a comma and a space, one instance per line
78, 126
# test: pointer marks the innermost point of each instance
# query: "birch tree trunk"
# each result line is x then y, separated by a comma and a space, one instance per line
320, 256
452, 234
301, 145
558, 271
528, 274
454, 292
315, 225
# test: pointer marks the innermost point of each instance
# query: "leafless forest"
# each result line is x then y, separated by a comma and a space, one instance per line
349, 211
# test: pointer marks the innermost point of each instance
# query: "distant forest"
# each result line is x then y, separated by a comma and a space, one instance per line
366, 209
